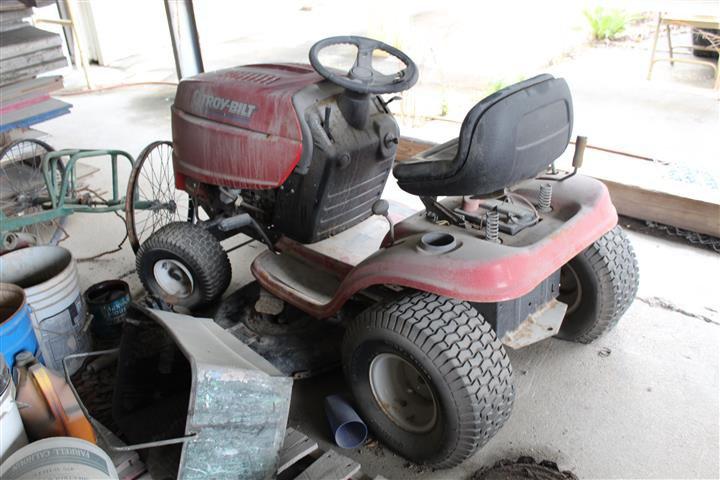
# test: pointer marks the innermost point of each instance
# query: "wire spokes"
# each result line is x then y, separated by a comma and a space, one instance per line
22, 185
153, 199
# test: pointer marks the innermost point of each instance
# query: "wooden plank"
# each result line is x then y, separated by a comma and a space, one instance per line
640, 189
295, 447
11, 5
34, 114
12, 20
292, 437
22, 103
7, 77
43, 3
15, 15
20, 134
32, 58
409, 147
37, 109
35, 119
675, 194
30, 87
127, 463
682, 212
26, 40
330, 465
682, 180
8, 26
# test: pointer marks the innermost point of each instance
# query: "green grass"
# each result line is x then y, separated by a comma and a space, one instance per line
497, 85
606, 24
501, 83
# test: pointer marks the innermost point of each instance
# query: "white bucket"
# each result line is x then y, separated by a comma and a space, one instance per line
12, 433
58, 457
49, 276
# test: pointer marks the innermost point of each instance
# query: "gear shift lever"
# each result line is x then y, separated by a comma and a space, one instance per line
382, 207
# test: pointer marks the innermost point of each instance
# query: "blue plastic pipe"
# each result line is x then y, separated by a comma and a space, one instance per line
348, 430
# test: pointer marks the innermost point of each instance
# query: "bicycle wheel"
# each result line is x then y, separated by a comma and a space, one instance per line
23, 188
152, 200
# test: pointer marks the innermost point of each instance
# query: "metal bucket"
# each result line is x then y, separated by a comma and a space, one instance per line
49, 276
16, 328
108, 303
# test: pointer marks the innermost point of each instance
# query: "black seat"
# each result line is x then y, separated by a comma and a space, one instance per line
509, 136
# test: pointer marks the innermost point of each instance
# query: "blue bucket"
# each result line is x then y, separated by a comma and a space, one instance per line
16, 331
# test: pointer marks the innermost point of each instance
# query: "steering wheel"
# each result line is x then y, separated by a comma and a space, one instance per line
362, 77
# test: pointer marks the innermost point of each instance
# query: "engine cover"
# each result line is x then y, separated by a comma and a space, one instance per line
238, 127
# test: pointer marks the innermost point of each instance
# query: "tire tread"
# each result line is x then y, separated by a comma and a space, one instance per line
613, 260
197, 246
464, 348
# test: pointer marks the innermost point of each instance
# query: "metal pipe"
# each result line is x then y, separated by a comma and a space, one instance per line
184, 37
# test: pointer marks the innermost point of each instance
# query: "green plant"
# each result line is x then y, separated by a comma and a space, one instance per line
496, 85
444, 107
501, 83
606, 24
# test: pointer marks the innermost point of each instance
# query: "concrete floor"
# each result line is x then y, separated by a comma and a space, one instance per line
649, 409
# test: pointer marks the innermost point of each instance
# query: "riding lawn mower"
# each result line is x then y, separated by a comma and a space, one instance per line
507, 252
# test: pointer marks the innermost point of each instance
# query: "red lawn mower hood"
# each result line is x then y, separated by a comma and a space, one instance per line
227, 124
256, 97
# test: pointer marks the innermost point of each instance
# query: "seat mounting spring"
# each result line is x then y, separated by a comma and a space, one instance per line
492, 225
545, 197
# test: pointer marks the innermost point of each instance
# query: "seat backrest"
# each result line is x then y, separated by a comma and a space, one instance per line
509, 136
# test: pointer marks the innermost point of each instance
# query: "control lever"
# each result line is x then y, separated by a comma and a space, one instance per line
382, 207
578, 155
580, 144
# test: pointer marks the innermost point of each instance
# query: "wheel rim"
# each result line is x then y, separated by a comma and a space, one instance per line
402, 393
570, 288
22, 185
153, 201
173, 278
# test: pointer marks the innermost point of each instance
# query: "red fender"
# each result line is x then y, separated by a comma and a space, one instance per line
475, 271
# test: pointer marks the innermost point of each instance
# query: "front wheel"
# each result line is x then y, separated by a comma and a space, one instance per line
183, 264
429, 377
598, 285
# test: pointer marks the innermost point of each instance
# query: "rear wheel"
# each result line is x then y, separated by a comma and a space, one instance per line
429, 376
183, 264
598, 286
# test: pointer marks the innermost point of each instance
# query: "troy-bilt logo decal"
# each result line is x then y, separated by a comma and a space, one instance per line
206, 103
